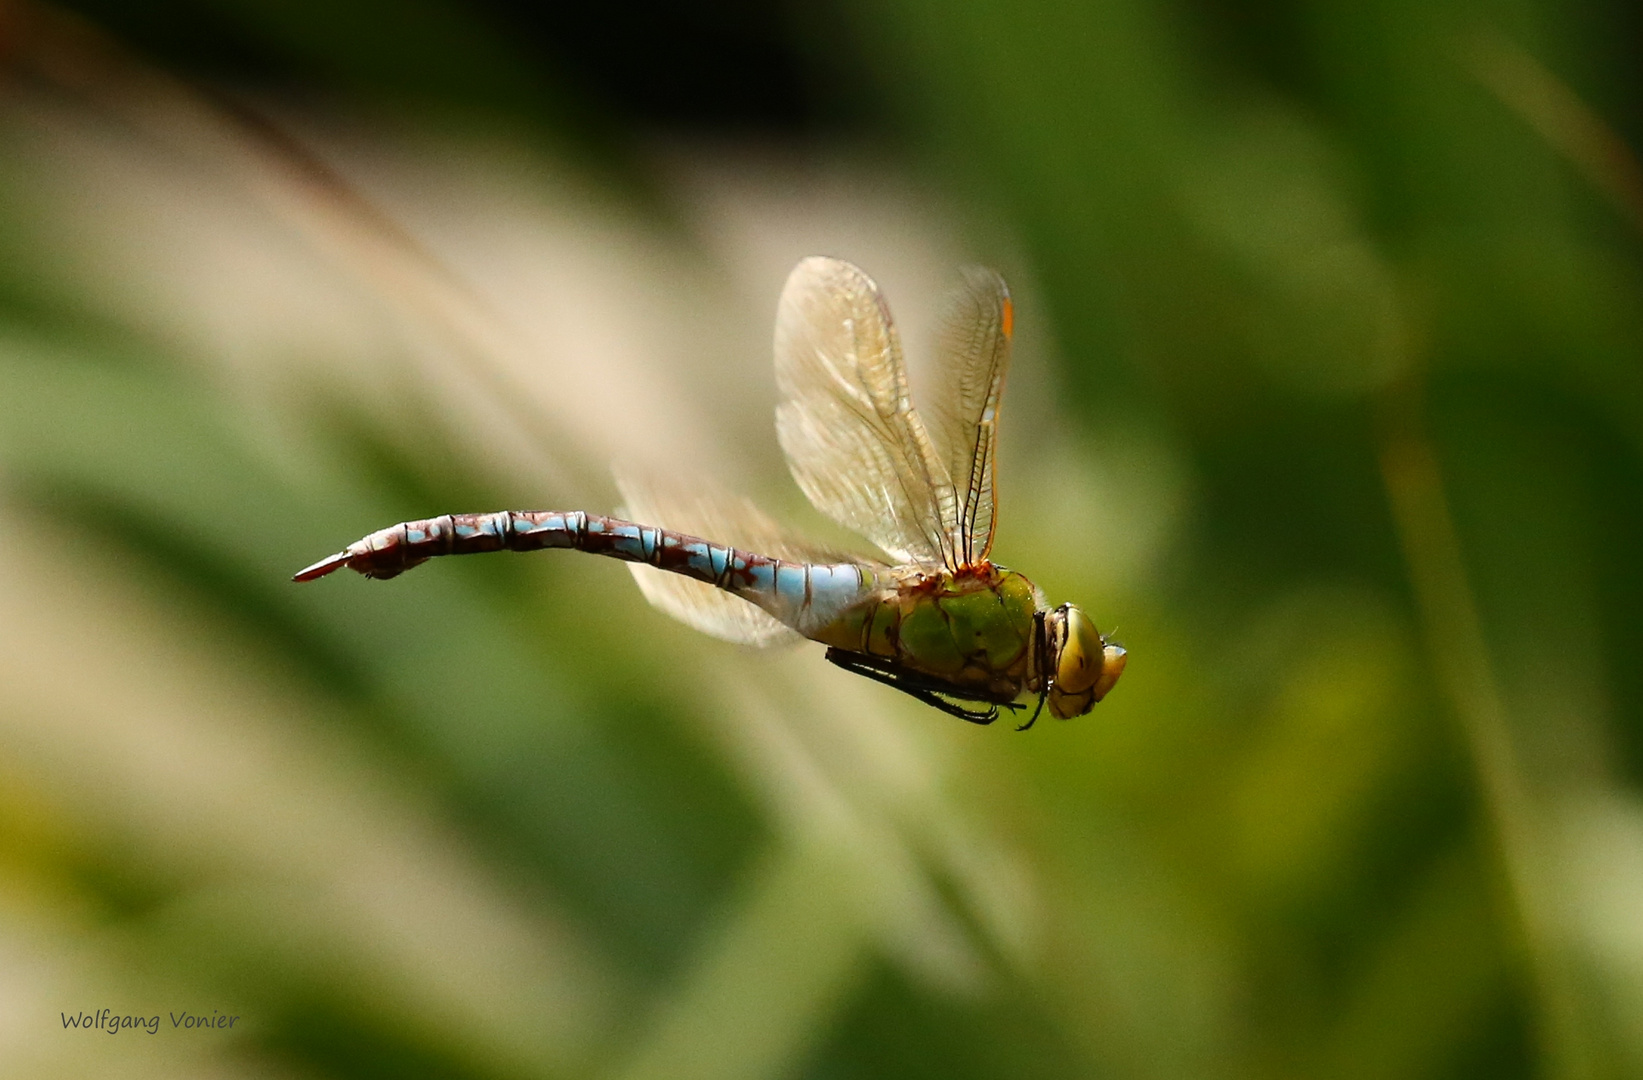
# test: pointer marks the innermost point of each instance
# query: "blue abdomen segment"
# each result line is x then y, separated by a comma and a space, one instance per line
804, 596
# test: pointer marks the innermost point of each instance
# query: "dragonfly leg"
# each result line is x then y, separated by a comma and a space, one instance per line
1033, 719
909, 685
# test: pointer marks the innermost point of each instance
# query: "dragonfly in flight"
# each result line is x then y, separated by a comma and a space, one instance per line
938, 620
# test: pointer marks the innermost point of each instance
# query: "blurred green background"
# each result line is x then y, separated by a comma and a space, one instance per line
1328, 393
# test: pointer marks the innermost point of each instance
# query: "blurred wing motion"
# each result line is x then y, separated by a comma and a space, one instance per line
974, 357
729, 519
853, 441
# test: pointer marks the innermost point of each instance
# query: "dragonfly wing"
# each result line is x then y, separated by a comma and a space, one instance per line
727, 519
712, 611
973, 359
853, 440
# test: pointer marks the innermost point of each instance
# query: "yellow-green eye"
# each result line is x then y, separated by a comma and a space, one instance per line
1086, 667
1113, 659
1081, 654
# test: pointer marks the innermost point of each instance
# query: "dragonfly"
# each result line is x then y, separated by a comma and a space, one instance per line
936, 618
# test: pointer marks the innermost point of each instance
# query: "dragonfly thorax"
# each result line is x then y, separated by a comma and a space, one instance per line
973, 630
984, 633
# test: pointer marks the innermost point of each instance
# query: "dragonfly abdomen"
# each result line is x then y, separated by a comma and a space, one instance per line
801, 595
389, 552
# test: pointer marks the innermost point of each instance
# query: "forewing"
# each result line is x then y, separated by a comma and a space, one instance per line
712, 514
973, 358
853, 440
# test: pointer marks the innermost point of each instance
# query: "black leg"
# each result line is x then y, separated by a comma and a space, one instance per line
949, 707
859, 666
1033, 719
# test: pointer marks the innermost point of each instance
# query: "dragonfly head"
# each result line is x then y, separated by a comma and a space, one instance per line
1083, 664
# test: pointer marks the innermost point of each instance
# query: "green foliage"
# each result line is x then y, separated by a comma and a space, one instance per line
1347, 437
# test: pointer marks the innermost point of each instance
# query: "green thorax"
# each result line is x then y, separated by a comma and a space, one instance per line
974, 628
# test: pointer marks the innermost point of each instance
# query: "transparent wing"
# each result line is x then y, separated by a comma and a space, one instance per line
974, 355
727, 519
853, 440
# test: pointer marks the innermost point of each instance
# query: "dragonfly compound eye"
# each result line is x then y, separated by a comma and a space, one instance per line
1113, 659
1079, 665
1085, 665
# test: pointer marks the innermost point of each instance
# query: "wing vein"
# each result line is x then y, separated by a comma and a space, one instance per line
854, 442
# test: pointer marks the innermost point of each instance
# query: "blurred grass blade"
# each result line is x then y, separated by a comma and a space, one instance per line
1459, 656
1556, 113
